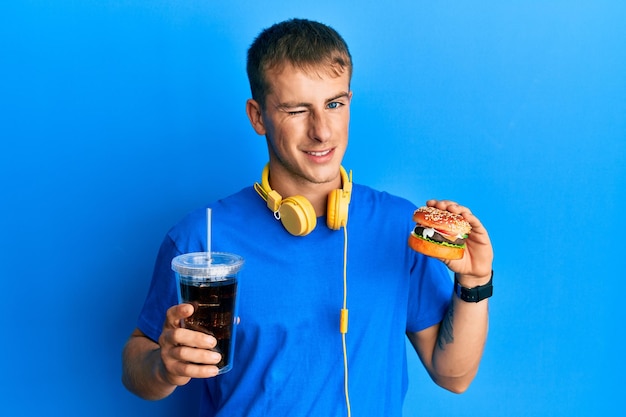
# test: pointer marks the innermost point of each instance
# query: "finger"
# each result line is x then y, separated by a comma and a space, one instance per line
448, 205
187, 362
198, 356
193, 338
180, 347
477, 226
456, 208
176, 313
193, 370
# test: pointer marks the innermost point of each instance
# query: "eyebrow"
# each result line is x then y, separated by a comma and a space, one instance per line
291, 105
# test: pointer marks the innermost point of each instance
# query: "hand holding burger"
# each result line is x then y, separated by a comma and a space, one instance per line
451, 233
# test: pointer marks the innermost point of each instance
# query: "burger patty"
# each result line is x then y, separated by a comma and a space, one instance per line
419, 230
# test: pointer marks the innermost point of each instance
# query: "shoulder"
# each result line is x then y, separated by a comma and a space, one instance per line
372, 194
243, 201
373, 202
236, 209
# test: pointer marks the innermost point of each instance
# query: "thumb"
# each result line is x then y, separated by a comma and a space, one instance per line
177, 313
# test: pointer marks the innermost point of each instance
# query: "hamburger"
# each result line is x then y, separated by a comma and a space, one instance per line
439, 233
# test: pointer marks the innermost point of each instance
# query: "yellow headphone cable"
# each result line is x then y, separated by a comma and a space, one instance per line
343, 323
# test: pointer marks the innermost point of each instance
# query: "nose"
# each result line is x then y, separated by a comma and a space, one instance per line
319, 127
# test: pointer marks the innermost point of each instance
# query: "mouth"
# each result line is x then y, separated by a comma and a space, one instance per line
319, 154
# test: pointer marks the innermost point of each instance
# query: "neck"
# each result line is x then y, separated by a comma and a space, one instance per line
317, 193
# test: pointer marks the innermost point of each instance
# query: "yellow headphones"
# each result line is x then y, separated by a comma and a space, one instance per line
296, 213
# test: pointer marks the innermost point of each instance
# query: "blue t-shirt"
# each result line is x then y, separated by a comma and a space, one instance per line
288, 359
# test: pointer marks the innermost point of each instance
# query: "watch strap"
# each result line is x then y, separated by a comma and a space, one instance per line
476, 294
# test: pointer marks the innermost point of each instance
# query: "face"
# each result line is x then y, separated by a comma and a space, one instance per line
305, 121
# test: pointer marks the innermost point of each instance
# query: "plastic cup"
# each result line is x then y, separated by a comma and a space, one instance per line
209, 283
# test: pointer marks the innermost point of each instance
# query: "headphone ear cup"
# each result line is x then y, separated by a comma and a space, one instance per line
297, 215
337, 209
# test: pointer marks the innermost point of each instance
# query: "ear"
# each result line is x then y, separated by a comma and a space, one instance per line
253, 110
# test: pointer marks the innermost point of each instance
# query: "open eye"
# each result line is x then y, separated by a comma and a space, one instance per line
334, 105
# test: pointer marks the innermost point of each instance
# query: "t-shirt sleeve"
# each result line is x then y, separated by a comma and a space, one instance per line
430, 293
162, 293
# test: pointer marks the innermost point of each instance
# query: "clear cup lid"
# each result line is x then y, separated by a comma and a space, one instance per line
201, 265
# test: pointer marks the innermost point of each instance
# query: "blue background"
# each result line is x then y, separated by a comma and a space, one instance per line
118, 117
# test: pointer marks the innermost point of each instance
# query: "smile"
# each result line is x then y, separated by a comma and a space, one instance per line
321, 153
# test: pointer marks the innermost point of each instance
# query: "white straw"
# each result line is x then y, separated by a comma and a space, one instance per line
208, 232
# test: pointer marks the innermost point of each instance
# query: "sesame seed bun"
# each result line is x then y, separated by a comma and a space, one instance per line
449, 223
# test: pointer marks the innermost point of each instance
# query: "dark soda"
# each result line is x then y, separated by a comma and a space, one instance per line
214, 312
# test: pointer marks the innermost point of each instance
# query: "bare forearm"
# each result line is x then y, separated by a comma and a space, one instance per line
143, 369
460, 344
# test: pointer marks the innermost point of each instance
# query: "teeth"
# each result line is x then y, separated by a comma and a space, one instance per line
318, 153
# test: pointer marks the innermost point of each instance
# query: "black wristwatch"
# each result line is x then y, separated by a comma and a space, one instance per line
476, 294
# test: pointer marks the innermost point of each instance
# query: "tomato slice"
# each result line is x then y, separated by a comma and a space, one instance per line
446, 235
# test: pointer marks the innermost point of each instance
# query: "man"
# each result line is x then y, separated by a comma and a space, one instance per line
291, 358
